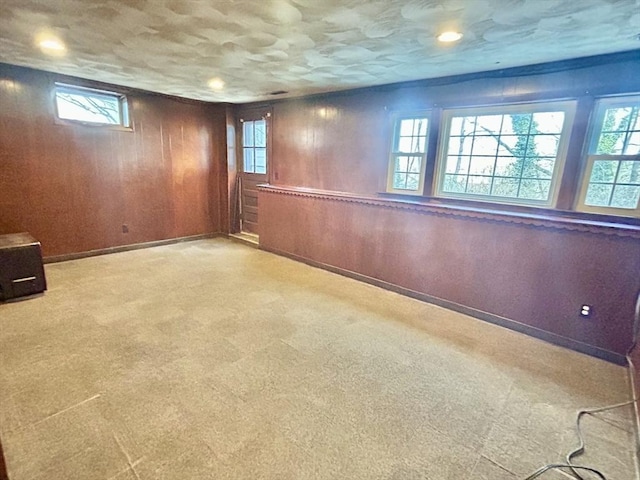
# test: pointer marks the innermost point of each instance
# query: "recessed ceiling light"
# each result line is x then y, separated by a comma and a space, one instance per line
448, 37
216, 84
51, 45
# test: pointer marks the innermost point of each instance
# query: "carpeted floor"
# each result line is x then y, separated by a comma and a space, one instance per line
213, 360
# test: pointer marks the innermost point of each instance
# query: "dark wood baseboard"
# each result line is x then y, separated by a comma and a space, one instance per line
553, 338
126, 248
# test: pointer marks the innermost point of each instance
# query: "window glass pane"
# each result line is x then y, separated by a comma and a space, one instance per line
400, 181
411, 136
485, 145
401, 164
414, 164
458, 164
408, 164
548, 122
479, 185
616, 119
488, 124
505, 187
413, 127
413, 180
611, 143
411, 144
460, 146
455, 183
407, 172
260, 155
247, 134
625, 196
87, 106
406, 127
249, 165
633, 144
534, 189
260, 128
604, 171
507, 144
538, 167
598, 195
546, 145
482, 165
629, 172
507, 167
421, 127
516, 123
406, 181
461, 126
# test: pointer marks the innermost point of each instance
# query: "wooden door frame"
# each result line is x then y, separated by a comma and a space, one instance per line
250, 113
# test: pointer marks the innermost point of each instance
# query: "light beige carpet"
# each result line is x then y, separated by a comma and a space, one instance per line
213, 360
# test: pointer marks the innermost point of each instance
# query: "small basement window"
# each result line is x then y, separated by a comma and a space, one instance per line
91, 106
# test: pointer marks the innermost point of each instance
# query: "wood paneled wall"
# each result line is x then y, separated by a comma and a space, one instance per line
529, 274
532, 276
73, 187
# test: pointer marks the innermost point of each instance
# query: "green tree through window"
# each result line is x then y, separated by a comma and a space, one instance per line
614, 160
502, 156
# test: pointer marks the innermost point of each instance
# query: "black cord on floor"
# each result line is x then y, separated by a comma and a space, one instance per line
557, 466
589, 411
580, 448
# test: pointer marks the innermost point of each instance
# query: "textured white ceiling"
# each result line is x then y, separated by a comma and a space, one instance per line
304, 46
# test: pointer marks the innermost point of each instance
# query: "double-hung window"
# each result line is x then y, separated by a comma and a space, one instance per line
91, 106
611, 182
506, 154
408, 154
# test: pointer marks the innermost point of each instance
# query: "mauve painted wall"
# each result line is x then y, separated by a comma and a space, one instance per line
73, 187
534, 275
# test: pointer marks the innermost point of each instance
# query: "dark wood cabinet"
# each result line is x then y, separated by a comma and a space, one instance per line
21, 269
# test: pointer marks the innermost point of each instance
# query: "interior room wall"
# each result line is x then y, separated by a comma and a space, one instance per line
73, 187
528, 269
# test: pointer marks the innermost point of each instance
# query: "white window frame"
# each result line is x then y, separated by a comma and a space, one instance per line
397, 118
124, 121
254, 147
590, 156
569, 109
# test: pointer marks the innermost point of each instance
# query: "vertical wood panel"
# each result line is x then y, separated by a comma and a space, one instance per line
74, 186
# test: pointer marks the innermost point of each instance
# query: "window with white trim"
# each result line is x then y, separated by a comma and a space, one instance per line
506, 154
408, 154
91, 106
611, 182
254, 146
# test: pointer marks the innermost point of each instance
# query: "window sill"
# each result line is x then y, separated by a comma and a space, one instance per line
544, 218
96, 126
